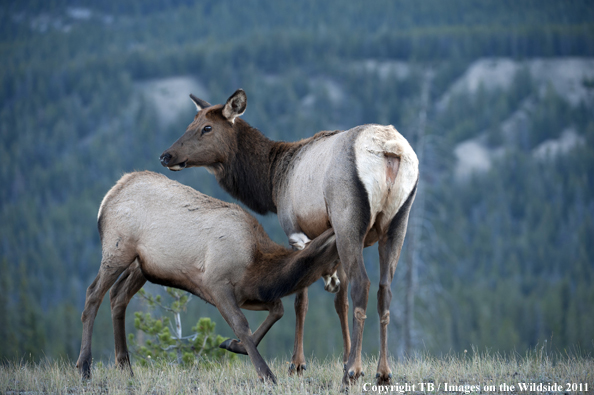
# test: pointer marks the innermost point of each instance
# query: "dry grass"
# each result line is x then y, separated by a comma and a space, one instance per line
322, 377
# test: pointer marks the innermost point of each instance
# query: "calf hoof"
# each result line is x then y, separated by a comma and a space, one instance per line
268, 378
299, 369
84, 368
233, 346
123, 363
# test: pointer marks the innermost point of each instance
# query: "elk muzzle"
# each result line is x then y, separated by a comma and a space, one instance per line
166, 162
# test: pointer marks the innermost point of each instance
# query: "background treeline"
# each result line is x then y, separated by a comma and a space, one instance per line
503, 258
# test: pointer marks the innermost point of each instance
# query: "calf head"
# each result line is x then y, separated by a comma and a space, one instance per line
210, 139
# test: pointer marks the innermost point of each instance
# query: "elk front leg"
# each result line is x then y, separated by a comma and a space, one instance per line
120, 295
275, 313
298, 360
227, 306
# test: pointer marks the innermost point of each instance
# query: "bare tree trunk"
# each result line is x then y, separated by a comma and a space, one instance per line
415, 220
178, 330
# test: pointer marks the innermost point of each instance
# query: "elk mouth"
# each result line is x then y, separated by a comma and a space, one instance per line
165, 160
179, 166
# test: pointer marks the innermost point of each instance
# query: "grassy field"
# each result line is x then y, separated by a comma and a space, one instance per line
470, 372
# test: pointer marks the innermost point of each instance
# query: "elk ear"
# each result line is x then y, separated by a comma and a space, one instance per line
200, 104
235, 105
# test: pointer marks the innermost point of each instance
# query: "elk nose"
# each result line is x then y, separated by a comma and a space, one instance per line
165, 158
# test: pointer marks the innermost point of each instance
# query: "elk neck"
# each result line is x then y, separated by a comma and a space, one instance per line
285, 272
255, 167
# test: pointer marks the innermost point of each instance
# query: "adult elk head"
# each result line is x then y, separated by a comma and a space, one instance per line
210, 137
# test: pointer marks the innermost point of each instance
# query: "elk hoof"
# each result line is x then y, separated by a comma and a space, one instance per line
234, 346
123, 363
84, 369
383, 379
268, 379
350, 377
299, 369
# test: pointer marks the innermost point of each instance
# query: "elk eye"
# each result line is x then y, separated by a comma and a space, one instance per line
206, 129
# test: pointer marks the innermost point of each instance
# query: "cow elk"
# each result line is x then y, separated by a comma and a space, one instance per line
155, 229
362, 182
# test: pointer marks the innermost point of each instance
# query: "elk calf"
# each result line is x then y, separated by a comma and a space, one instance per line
156, 229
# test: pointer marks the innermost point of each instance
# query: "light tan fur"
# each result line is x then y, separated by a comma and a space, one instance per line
153, 228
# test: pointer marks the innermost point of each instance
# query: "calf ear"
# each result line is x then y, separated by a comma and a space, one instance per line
200, 104
235, 105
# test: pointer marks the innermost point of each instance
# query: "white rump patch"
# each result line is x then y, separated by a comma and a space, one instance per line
298, 240
372, 148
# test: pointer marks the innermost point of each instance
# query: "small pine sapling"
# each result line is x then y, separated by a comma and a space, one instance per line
164, 341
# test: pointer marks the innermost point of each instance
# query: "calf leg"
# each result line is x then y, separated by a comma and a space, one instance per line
108, 274
275, 312
120, 295
227, 306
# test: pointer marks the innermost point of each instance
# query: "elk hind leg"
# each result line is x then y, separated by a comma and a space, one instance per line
107, 276
120, 295
359, 294
390, 246
350, 224
384, 297
341, 305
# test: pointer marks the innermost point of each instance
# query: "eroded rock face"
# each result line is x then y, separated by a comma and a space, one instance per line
170, 96
564, 75
569, 78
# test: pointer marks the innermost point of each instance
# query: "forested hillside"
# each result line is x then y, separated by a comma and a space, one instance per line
496, 97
